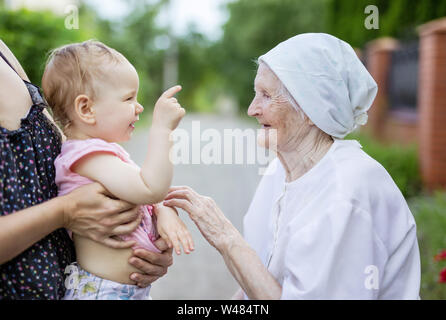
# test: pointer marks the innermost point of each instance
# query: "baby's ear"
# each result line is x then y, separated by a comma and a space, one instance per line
83, 108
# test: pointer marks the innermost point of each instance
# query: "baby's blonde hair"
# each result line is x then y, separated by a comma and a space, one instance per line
71, 70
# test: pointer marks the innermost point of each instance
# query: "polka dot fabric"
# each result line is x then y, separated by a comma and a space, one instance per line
26, 179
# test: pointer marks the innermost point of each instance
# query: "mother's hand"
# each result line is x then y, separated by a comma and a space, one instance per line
210, 220
152, 265
90, 211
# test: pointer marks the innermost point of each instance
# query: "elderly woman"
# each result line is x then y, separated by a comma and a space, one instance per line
327, 221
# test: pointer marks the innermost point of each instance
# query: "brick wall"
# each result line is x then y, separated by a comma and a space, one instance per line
432, 103
383, 124
427, 126
378, 63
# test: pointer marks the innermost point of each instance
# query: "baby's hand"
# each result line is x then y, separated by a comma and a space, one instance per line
172, 229
168, 112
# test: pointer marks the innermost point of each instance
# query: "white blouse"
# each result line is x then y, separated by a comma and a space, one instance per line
341, 231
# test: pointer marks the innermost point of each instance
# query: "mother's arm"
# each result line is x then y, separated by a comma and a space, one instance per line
87, 210
13, 60
18, 67
241, 260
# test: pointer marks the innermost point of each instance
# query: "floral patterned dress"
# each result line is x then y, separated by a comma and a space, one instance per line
26, 179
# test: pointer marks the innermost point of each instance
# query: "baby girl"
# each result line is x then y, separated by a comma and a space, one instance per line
92, 90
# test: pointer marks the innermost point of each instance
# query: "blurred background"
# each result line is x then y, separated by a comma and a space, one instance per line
209, 47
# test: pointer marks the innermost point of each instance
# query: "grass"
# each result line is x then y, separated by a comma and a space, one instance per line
430, 216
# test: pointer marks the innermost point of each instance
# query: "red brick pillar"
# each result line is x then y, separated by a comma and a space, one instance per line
378, 64
432, 103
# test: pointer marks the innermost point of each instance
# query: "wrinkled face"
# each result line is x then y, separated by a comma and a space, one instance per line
279, 119
116, 107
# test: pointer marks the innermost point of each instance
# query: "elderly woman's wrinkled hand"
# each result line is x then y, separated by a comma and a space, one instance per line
210, 220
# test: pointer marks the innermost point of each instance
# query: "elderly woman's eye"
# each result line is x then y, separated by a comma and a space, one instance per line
266, 95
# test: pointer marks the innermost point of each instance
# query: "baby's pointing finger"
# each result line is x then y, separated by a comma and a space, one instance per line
169, 93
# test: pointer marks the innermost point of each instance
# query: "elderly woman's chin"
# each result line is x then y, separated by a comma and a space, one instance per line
267, 138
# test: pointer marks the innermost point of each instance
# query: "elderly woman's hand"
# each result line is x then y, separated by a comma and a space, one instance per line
241, 260
211, 222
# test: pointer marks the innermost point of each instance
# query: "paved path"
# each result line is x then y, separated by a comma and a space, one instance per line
203, 274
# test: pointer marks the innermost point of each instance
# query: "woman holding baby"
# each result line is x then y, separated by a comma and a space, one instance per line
35, 248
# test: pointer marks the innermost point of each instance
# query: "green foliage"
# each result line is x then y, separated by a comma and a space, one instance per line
430, 216
208, 69
30, 35
135, 37
401, 162
255, 27
199, 77
397, 18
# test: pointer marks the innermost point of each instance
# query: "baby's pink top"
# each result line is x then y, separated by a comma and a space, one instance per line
67, 181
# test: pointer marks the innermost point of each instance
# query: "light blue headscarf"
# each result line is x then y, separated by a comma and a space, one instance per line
326, 78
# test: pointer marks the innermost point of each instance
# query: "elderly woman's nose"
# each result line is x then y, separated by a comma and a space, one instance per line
254, 109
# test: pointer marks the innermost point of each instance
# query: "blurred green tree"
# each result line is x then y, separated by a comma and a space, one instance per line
135, 37
30, 35
253, 28
397, 18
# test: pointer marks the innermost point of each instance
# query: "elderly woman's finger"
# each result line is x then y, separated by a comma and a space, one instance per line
175, 188
180, 203
172, 188
186, 194
181, 194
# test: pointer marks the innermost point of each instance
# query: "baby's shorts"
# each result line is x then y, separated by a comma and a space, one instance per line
82, 285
